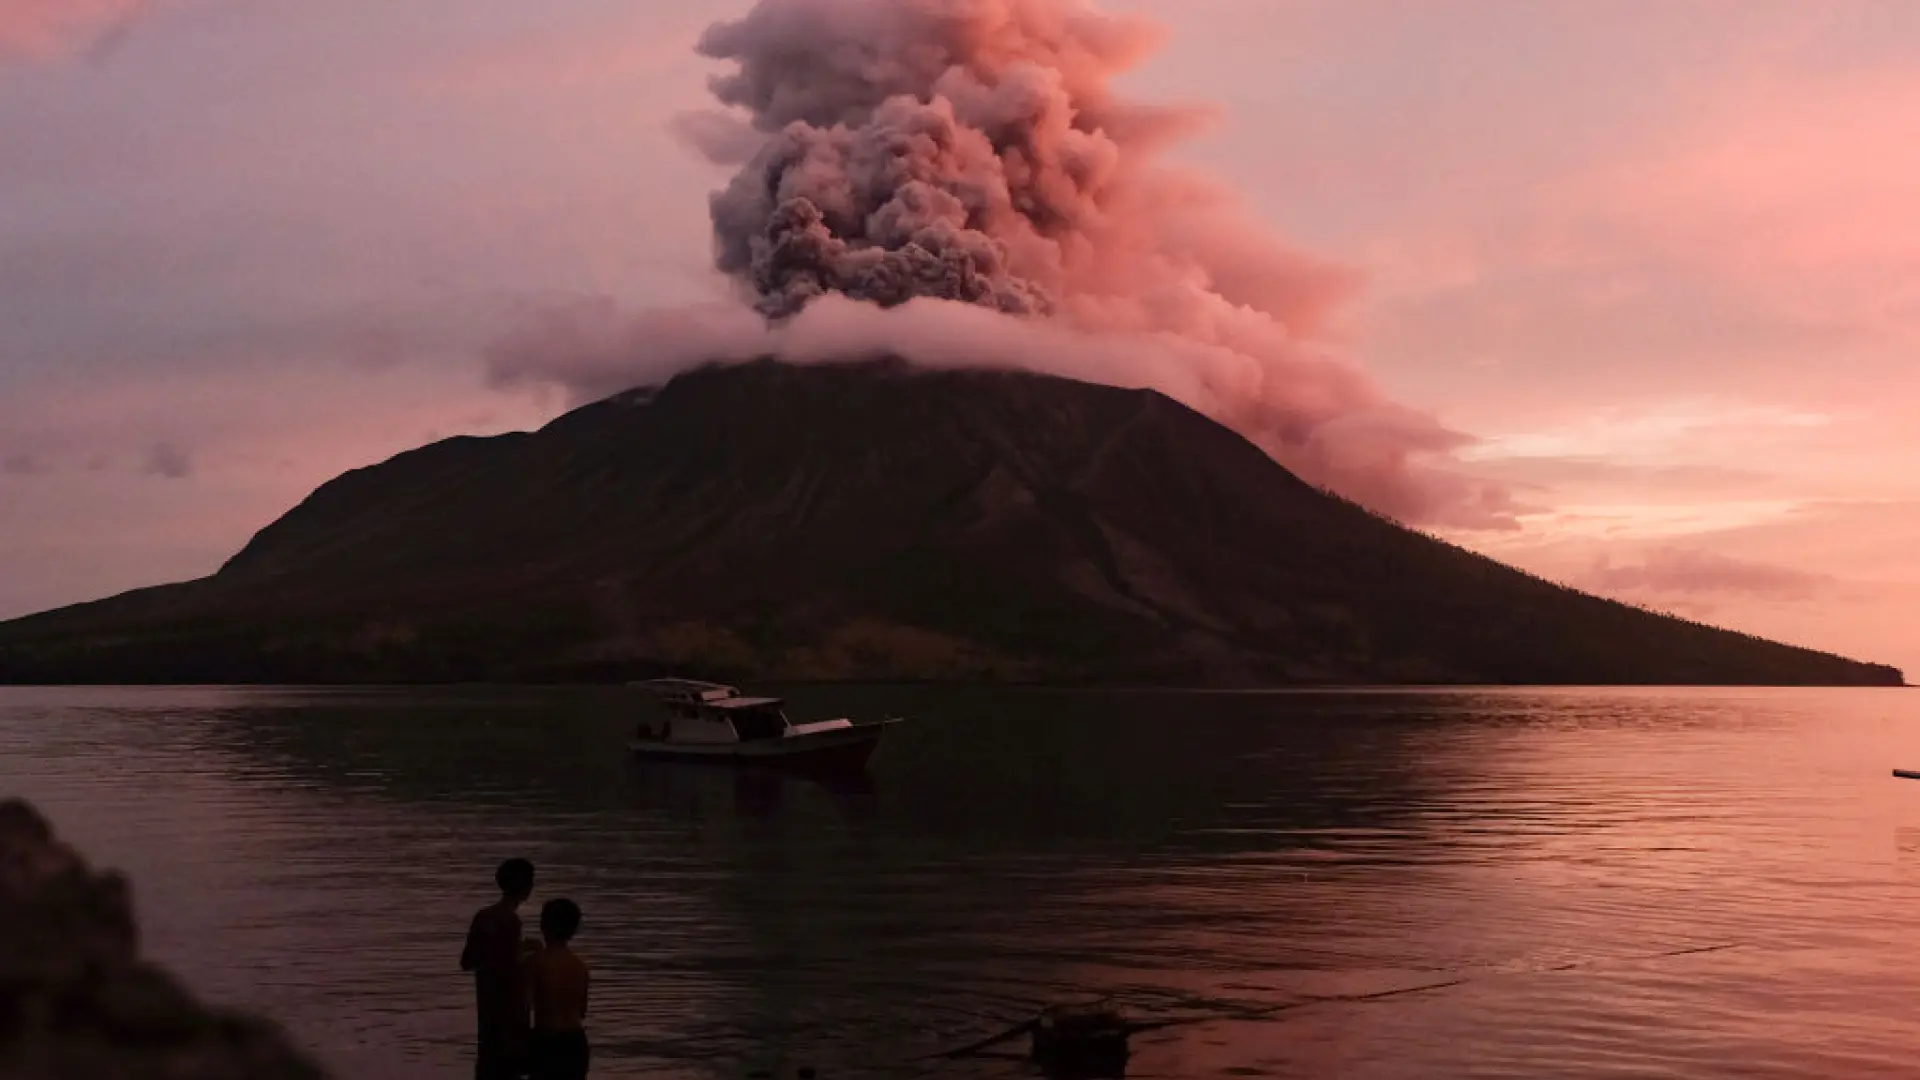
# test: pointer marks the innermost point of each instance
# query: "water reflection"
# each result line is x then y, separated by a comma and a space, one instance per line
1184, 853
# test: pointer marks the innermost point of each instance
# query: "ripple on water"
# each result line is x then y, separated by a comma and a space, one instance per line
316, 855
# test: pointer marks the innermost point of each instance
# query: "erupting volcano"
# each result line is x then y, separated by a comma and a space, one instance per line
956, 182
1104, 458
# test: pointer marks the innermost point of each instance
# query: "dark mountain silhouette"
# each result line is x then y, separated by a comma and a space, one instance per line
869, 521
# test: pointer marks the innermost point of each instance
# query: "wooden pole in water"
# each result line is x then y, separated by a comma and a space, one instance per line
1907, 774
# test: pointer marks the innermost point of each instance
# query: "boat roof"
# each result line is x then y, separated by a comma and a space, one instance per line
707, 694
689, 690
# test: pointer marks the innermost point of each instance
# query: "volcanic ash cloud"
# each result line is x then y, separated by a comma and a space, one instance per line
909, 155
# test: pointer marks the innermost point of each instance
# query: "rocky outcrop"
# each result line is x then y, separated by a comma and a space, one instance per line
76, 1000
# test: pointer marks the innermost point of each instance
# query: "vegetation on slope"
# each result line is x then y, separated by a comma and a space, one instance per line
870, 521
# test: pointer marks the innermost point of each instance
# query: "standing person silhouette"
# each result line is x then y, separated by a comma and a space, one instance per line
492, 953
557, 982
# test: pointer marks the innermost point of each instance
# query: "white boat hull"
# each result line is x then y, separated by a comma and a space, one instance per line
842, 747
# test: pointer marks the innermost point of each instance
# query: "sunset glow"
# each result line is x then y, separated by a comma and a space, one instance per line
1655, 266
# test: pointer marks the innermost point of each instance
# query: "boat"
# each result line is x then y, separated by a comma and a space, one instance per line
713, 722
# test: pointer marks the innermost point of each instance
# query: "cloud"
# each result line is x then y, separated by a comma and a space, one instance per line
1632, 479
254, 443
53, 29
1696, 574
1378, 453
1651, 432
721, 138
168, 461
1838, 576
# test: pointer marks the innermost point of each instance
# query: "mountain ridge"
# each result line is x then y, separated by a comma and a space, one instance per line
866, 521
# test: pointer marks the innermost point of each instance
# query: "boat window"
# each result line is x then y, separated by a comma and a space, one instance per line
758, 723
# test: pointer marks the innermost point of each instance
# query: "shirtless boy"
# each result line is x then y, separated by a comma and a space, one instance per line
557, 987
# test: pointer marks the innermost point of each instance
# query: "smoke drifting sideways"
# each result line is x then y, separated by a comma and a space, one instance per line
954, 182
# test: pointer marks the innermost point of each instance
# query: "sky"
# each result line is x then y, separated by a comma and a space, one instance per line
1659, 262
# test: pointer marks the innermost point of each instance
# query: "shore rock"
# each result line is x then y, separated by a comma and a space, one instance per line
76, 1000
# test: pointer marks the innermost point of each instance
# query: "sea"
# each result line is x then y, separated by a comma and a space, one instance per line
1484, 883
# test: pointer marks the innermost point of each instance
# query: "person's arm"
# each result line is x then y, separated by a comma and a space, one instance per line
528, 963
470, 955
586, 985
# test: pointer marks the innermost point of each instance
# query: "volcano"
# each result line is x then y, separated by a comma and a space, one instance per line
870, 521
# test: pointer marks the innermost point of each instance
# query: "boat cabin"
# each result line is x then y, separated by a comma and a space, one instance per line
703, 712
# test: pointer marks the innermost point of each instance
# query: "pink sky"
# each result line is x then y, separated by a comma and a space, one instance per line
1659, 260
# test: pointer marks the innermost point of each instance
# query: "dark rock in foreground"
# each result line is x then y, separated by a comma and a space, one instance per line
77, 1002
870, 521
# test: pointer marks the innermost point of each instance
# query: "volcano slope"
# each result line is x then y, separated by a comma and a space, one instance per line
870, 521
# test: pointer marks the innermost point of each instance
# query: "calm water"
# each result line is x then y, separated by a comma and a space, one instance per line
315, 854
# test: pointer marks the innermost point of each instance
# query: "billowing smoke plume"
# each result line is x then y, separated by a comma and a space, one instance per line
958, 149
900, 159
